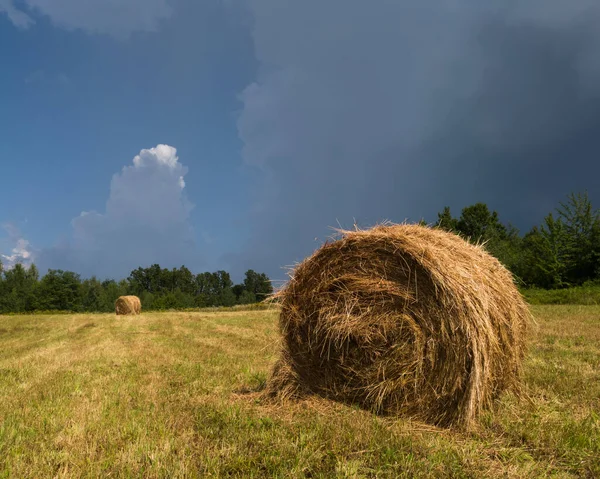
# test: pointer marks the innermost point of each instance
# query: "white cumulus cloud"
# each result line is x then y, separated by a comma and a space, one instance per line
20, 248
146, 221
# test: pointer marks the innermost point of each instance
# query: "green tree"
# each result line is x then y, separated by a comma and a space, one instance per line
111, 290
581, 224
173, 300
139, 281
59, 290
184, 280
223, 280
226, 298
446, 221
203, 290
246, 297
478, 223
153, 280
14, 280
19, 289
258, 284
32, 279
545, 254
223, 293
91, 294
508, 249
214, 289
238, 290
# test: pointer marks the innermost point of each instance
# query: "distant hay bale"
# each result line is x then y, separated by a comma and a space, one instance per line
128, 305
402, 319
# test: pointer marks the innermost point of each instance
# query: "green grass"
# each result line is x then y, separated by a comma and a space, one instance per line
166, 395
588, 294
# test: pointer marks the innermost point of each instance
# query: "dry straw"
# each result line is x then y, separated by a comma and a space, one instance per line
402, 319
128, 305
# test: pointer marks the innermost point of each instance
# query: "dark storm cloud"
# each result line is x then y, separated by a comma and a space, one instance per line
391, 110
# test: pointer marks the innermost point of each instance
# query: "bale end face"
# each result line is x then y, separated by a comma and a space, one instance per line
402, 319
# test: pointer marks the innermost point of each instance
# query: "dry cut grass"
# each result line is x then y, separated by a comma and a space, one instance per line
175, 395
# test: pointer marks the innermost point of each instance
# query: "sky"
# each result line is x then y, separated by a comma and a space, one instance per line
235, 134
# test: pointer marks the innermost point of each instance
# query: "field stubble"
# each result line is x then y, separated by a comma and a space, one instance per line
175, 395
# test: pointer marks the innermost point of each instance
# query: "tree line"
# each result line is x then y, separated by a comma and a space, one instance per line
22, 290
563, 251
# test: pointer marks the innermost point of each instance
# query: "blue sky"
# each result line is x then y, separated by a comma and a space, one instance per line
287, 119
78, 106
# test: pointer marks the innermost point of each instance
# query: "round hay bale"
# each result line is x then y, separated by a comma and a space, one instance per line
128, 305
402, 319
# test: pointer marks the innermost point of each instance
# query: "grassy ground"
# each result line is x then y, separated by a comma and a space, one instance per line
588, 294
164, 395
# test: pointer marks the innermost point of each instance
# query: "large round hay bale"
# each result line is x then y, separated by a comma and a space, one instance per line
128, 305
402, 319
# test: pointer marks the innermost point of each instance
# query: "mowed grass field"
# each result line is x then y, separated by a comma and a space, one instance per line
174, 395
